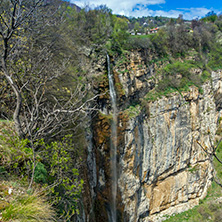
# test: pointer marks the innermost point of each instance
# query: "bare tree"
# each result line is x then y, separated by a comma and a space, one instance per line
211, 152
36, 62
52, 96
35, 67
13, 15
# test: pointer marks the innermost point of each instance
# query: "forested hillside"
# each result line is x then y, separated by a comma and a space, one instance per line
50, 91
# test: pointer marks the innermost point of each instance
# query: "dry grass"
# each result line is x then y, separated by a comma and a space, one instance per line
23, 205
28, 208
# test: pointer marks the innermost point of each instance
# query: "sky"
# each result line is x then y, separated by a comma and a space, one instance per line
190, 9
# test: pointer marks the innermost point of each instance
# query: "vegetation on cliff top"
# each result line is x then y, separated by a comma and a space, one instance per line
184, 53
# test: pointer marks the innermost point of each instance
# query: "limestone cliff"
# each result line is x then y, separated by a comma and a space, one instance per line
161, 168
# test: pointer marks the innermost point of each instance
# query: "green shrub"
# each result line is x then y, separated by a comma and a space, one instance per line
155, 94
205, 75
51, 164
215, 58
40, 175
133, 111
15, 155
138, 42
59, 159
179, 76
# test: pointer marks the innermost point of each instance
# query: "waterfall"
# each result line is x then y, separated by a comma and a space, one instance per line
113, 143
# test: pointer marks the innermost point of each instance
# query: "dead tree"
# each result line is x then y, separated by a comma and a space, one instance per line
31, 65
13, 15
211, 152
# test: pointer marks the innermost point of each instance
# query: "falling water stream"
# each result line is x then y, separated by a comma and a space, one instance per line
113, 143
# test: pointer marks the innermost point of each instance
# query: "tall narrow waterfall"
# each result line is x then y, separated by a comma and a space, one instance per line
113, 143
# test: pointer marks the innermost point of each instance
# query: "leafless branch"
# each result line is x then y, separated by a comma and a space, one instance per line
211, 152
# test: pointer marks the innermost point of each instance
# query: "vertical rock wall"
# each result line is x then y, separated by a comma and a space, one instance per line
161, 168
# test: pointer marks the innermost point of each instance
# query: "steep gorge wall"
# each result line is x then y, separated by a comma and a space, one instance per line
161, 168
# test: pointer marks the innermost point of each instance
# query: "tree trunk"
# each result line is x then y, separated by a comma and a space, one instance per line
16, 115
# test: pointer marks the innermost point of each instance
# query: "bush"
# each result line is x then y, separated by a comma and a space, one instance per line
15, 155
138, 43
205, 75
133, 111
51, 164
215, 58
40, 175
179, 76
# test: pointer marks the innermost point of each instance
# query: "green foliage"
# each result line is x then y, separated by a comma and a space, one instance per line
215, 57
15, 154
174, 76
89, 26
179, 40
205, 75
210, 17
159, 42
178, 67
147, 22
60, 159
40, 175
218, 23
137, 27
119, 34
153, 95
178, 76
122, 60
133, 111
53, 164
138, 42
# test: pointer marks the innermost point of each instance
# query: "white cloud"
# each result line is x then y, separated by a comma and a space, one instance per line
188, 13
119, 6
192, 13
139, 8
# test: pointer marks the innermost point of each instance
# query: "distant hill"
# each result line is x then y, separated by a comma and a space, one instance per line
78, 9
150, 21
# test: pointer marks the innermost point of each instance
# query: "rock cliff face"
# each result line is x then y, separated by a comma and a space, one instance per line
161, 168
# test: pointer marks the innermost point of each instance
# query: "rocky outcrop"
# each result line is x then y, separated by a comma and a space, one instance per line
135, 76
161, 168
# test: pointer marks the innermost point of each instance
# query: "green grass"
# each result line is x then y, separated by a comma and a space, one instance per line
207, 211
142, 36
215, 57
154, 94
